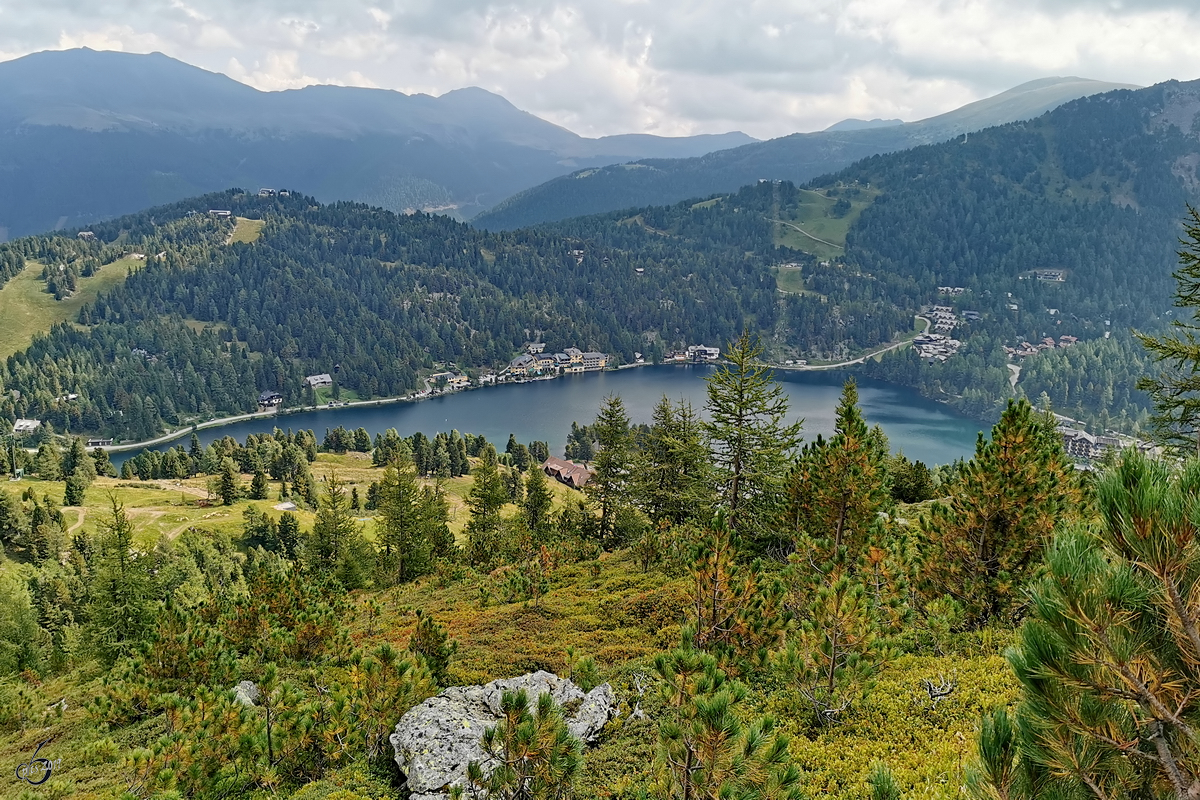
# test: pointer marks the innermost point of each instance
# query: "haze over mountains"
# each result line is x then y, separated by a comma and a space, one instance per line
86, 135
799, 157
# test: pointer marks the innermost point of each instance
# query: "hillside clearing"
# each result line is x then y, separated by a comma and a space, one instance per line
247, 231
28, 309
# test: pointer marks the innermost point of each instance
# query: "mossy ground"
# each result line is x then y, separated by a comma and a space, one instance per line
608, 608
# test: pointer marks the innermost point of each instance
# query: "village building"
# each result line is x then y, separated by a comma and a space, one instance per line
87, 236
26, 426
220, 213
317, 381
594, 361
1081, 444
270, 399
698, 352
99, 442
523, 364
567, 472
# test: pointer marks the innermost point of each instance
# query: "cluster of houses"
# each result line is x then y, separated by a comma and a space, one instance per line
1050, 275
1026, 349
537, 362
695, 354
945, 320
265, 192
935, 346
1083, 445
952, 291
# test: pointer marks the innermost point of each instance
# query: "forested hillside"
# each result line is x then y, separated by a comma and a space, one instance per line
204, 323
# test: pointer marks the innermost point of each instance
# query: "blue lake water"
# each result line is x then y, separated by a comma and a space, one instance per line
544, 410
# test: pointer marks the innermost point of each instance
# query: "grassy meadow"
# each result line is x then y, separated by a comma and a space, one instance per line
28, 309
816, 217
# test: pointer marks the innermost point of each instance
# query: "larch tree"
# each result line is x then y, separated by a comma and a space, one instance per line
487, 497
120, 612
750, 440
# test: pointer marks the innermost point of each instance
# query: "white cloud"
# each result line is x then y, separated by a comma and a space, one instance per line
768, 67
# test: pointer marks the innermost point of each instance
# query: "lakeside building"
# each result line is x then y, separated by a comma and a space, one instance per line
317, 381
698, 352
270, 399
26, 426
567, 472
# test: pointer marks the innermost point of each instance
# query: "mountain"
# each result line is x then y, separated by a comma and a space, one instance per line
86, 135
799, 158
862, 124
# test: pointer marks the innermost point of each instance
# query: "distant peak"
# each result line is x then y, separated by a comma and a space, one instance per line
863, 124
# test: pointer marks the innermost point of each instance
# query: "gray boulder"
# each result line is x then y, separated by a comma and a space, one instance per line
435, 740
246, 693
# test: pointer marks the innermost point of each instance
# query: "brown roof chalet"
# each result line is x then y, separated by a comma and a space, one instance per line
574, 475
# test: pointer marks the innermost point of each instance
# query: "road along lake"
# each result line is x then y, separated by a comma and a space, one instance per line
543, 410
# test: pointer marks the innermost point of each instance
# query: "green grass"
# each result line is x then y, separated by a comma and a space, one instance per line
247, 231
325, 395
813, 216
790, 280
27, 309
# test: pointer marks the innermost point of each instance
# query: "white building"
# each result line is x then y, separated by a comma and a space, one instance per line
24, 426
317, 381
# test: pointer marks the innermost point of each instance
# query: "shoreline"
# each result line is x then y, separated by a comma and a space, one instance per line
419, 396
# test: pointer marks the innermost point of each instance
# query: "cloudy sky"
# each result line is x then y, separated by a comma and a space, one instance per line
656, 66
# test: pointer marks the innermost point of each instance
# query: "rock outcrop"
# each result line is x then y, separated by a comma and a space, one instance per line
435, 740
246, 693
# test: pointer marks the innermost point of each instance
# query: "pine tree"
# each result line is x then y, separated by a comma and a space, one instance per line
1109, 660
705, 751
985, 541
333, 528
735, 616
259, 488
430, 641
608, 488
47, 463
1175, 390
77, 463
530, 755
750, 441
536, 505
837, 488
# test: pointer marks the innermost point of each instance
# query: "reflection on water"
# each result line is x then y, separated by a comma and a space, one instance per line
544, 410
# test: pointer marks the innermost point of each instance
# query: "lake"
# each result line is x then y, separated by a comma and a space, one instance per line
544, 410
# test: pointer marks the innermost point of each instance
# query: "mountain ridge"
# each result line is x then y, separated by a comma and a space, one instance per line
799, 157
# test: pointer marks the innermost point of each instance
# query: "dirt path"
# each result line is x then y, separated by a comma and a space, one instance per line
78, 524
864, 356
800, 230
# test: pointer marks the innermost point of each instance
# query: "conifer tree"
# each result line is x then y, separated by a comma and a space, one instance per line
837, 488
487, 496
736, 616
430, 641
333, 528
985, 541
120, 612
405, 551
672, 471
77, 463
259, 489
536, 505
705, 751
750, 440
608, 488
1109, 660
1175, 390
530, 754
230, 482
47, 463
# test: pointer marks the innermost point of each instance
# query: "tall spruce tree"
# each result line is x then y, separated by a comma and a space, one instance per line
750, 440
984, 542
672, 472
405, 549
1175, 390
120, 612
487, 497
608, 488
333, 528
1109, 660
